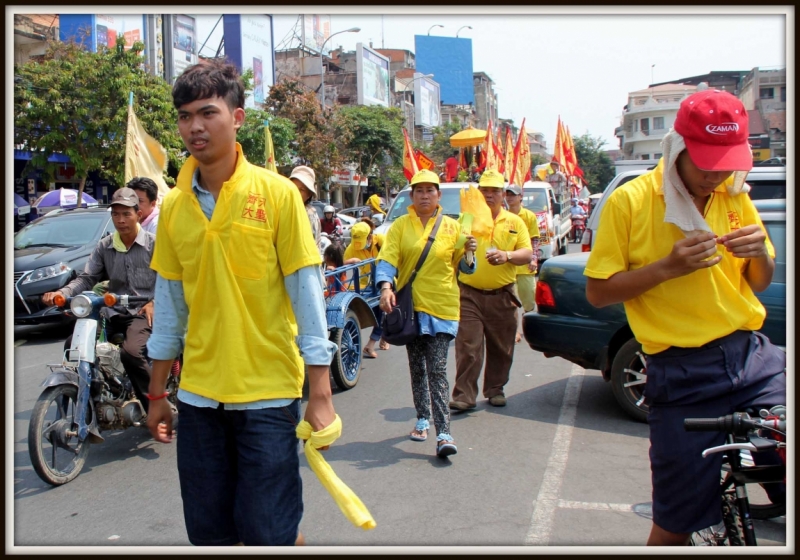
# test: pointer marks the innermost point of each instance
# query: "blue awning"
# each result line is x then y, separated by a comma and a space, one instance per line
55, 158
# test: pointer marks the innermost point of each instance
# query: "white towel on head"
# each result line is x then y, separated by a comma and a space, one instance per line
681, 210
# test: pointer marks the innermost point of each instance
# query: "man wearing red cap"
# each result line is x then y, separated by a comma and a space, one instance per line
684, 249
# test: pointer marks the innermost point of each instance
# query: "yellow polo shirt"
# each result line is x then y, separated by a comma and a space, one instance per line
691, 310
240, 343
378, 239
533, 228
434, 290
509, 234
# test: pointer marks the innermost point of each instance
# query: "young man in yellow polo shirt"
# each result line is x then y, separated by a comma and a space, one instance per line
689, 296
238, 274
526, 273
489, 305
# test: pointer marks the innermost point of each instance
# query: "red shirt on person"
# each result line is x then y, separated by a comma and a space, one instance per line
451, 169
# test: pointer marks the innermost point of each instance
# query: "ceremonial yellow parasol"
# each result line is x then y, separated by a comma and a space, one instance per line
468, 138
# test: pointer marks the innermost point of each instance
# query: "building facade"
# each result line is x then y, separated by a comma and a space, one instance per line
647, 117
763, 93
485, 100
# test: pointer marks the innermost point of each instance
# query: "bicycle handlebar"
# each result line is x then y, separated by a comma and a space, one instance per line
738, 423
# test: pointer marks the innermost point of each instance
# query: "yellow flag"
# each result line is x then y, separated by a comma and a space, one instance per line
480, 222
269, 149
144, 156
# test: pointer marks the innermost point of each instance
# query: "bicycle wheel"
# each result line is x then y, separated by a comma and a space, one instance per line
732, 520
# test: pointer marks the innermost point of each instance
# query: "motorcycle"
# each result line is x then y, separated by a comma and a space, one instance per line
87, 393
578, 227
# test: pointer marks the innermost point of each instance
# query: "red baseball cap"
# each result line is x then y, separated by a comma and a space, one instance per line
713, 124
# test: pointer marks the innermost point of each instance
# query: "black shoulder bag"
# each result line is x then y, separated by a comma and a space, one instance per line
400, 324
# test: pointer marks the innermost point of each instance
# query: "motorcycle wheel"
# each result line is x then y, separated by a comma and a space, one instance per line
346, 365
56, 457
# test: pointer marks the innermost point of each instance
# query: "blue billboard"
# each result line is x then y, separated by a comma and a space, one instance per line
95, 30
449, 59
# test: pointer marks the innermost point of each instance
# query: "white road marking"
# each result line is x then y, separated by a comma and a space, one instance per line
595, 506
547, 501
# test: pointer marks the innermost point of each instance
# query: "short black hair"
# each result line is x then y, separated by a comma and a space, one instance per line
145, 184
335, 253
209, 78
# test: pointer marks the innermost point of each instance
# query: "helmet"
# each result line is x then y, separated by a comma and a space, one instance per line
329, 208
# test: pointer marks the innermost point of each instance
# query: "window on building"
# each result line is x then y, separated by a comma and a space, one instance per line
767, 93
783, 94
645, 124
658, 123
657, 155
644, 156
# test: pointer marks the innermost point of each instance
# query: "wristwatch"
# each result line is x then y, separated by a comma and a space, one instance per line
508, 256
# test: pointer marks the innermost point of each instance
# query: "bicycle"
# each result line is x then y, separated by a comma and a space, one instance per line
744, 434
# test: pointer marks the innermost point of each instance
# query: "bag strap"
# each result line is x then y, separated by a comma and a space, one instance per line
427, 248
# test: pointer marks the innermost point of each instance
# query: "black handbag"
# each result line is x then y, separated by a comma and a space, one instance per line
400, 324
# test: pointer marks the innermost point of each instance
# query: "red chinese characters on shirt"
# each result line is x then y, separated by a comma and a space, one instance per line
254, 208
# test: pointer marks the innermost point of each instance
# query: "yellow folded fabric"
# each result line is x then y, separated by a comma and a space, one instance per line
352, 507
472, 202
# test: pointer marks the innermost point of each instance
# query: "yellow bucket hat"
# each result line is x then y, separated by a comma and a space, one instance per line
492, 178
425, 176
358, 235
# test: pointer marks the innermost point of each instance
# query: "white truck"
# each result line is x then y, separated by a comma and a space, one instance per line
553, 213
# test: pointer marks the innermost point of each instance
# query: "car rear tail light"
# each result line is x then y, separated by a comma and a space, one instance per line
586, 241
544, 297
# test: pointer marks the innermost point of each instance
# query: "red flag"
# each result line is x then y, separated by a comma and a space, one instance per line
509, 155
423, 161
489, 153
462, 159
576, 170
410, 163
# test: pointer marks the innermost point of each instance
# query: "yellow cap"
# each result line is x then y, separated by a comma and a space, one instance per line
492, 178
425, 176
359, 233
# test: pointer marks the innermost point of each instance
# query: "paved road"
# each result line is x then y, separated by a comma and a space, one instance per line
560, 465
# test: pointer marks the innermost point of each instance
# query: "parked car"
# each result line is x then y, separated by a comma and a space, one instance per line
355, 212
566, 325
49, 253
765, 183
450, 202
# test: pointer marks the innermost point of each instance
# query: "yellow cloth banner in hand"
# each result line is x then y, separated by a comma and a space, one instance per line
352, 508
269, 149
473, 203
374, 202
144, 156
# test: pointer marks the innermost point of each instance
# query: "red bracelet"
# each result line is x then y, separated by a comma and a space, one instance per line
158, 398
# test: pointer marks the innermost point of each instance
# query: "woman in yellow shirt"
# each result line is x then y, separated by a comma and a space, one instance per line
436, 300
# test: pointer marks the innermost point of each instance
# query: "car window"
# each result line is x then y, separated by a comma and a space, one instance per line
63, 230
535, 200
777, 234
450, 201
767, 189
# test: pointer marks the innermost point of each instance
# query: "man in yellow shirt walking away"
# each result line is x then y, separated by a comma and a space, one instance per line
488, 303
526, 273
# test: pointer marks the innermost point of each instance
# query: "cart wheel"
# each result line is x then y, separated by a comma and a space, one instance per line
346, 365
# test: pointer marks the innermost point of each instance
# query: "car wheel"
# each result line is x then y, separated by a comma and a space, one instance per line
628, 379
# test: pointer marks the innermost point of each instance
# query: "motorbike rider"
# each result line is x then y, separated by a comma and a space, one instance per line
576, 211
330, 223
123, 258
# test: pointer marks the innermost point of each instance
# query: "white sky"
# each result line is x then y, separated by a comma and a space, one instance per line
580, 67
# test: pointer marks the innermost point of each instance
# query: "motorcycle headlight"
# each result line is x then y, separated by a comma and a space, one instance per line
47, 272
81, 306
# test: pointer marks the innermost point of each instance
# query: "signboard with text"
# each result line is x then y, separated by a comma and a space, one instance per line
249, 45
372, 75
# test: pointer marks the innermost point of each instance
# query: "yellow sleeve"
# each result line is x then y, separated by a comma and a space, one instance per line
165, 260
609, 255
348, 252
533, 224
380, 240
390, 250
294, 240
523, 240
750, 216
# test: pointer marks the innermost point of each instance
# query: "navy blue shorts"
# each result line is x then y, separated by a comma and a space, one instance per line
239, 472
726, 375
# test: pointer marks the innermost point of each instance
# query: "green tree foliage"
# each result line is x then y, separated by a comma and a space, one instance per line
375, 139
440, 149
252, 137
317, 135
598, 169
537, 159
75, 102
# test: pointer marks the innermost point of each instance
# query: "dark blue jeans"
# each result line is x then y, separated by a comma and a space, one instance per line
239, 472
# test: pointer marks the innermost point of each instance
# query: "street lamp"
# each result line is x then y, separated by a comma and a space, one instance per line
432, 26
322, 57
463, 27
